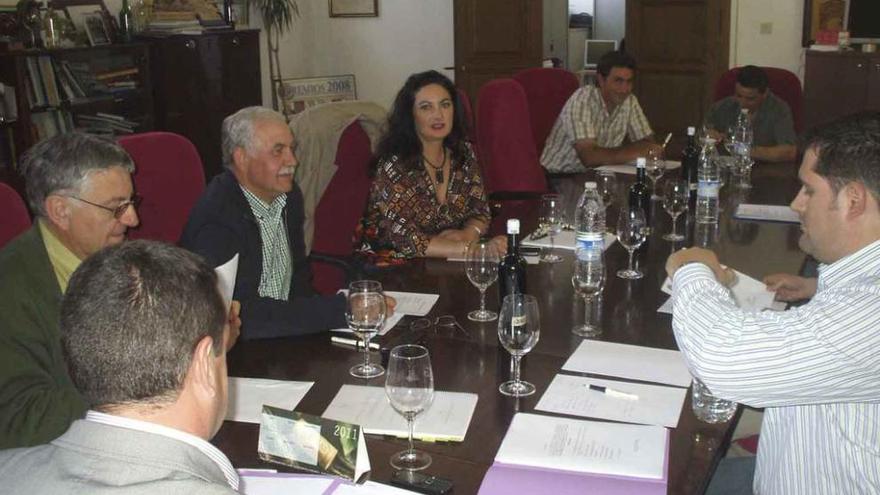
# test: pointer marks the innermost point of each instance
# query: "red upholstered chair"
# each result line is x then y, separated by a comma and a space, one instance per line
340, 210
508, 156
169, 177
547, 90
783, 83
15, 215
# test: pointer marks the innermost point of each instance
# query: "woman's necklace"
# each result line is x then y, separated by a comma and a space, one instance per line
438, 169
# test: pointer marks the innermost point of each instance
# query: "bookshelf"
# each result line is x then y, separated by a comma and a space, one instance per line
103, 89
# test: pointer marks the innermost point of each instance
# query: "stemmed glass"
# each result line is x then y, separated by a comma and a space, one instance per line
606, 183
588, 280
631, 233
482, 271
409, 387
552, 218
519, 328
675, 202
654, 168
365, 312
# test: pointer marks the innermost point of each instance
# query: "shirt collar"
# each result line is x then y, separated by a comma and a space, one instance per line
263, 210
204, 447
63, 261
858, 264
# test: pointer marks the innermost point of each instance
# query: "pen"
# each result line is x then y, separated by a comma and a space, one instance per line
614, 393
353, 343
666, 141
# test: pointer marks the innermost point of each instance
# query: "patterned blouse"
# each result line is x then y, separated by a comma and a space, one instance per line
403, 212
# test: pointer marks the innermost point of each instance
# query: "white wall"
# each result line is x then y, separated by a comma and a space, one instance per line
781, 47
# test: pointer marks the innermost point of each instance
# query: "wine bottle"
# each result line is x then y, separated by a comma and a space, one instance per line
639, 192
126, 22
512, 268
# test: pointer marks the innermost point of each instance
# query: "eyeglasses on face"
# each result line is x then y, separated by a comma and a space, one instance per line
119, 210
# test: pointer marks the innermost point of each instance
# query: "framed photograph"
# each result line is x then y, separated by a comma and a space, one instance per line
354, 8
95, 29
822, 21
295, 95
240, 12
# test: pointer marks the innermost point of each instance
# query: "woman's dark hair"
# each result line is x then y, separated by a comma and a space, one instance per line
401, 139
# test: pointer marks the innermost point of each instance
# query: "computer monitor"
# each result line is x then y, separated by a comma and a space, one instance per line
594, 49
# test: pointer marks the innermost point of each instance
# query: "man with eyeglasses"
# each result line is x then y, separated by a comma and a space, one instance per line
80, 190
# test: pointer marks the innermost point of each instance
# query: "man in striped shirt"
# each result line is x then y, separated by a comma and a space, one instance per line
815, 368
595, 121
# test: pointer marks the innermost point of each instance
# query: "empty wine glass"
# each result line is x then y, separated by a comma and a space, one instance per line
655, 166
552, 218
675, 202
365, 312
409, 388
519, 328
606, 183
588, 279
631, 233
482, 271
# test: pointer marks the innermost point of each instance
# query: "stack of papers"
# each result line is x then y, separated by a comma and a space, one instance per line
563, 240
750, 295
770, 213
247, 396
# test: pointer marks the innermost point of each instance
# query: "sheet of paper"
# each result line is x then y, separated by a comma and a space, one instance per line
564, 240
771, 213
629, 361
390, 323
257, 483
247, 396
413, 303
655, 405
630, 169
226, 274
750, 294
584, 446
531, 260
447, 418
369, 488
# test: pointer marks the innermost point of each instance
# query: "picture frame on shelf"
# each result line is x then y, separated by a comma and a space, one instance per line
77, 10
96, 29
240, 12
297, 94
354, 8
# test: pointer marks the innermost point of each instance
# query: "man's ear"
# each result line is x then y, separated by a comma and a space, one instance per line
855, 199
202, 369
239, 156
58, 210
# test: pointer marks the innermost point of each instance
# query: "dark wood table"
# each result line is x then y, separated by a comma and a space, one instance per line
477, 363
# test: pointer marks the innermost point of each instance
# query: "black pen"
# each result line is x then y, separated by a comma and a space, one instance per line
356, 343
614, 393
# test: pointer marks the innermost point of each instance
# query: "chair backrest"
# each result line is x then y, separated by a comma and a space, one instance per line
15, 215
783, 83
547, 90
508, 156
169, 177
468, 115
341, 207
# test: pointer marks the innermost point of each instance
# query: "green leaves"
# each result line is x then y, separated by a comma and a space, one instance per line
277, 14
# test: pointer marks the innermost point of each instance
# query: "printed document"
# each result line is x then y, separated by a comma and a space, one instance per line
247, 396
629, 361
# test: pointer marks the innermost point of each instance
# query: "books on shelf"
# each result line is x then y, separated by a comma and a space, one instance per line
105, 124
51, 81
50, 123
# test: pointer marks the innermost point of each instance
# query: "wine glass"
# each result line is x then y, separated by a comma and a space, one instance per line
552, 218
409, 387
654, 168
606, 183
631, 233
588, 279
365, 312
519, 328
482, 271
675, 202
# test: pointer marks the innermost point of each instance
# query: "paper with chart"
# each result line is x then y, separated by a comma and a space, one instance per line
247, 396
656, 405
563, 240
226, 274
630, 169
750, 295
770, 213
584, 446
629, 361
446, 419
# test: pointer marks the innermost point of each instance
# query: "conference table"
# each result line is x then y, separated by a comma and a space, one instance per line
473, 360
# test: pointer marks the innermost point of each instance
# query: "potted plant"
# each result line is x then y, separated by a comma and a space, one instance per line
277, 15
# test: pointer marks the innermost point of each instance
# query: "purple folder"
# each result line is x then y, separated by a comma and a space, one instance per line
504, 479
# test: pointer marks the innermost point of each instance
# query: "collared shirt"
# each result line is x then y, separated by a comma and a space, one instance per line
63, 261
204, 447
815, 368
585, 116
772, 124
277, 267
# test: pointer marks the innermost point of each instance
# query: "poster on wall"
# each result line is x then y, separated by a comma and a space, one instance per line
298, 94
354, 8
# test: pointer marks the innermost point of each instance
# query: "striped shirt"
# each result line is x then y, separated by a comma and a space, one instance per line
585, 116
815, 368
204, 447
277, 268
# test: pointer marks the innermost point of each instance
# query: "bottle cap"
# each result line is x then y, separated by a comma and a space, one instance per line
590, 185
513, 226
640, 162
692, 130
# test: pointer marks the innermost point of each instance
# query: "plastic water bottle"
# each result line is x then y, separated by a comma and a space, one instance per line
589, 221
708, 408
708, 184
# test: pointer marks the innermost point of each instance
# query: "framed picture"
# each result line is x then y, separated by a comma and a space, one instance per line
354, 8
240, 12
95, 29
822, 21
295, 95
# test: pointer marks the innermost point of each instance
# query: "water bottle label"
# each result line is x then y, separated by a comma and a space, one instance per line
707, 189
590, 243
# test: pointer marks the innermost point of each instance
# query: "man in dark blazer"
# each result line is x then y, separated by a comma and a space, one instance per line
144, 331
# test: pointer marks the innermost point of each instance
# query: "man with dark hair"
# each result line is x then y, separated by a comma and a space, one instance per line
143, 328
79, 188
595, 121
814, 368
774, 139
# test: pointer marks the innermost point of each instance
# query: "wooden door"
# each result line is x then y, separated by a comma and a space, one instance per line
835, 84
681, 47
495, 38
873, 102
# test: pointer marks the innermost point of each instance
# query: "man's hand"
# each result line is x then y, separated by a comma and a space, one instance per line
234, 324
390, 304
500, 244
790, 287
725, 276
